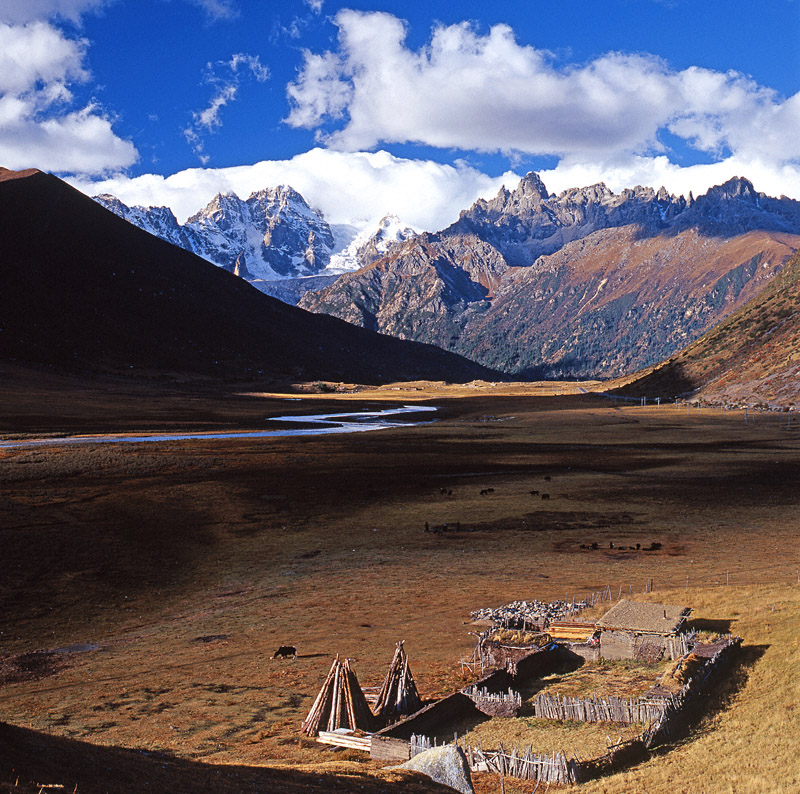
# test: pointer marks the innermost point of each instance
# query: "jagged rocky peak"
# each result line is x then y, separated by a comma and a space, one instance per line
124, 211
735, 188
531, 185
111, 203
736, 205
273, 234
591, 194
282, 198
222, 210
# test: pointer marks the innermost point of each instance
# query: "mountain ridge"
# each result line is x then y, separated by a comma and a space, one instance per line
272, 234
84, 290
509, 283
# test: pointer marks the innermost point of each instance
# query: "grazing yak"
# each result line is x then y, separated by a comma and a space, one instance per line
285, 651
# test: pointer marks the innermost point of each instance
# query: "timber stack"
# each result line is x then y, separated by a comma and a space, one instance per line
339, 704
398, 696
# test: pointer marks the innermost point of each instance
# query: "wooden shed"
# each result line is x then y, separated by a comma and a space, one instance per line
635, 630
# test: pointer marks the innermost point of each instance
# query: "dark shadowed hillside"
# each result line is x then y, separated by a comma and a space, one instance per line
85, 290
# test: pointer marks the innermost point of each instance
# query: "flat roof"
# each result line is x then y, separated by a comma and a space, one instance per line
644, 617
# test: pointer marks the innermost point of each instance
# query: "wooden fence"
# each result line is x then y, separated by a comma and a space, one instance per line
623, 710
495, 704
659, 715
542, 767
419, 744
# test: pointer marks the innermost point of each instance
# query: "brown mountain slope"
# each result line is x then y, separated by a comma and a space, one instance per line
754, 355
85, 290
615, 301
618, 299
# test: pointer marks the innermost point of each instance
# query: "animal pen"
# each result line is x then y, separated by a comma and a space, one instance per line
399, 726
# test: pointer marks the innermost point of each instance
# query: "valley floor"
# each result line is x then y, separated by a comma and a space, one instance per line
145, 588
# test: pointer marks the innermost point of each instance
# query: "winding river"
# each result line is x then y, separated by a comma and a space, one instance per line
359, 422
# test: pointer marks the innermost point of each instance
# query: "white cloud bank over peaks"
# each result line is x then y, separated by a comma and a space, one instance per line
486, 92
352, 189
39, 125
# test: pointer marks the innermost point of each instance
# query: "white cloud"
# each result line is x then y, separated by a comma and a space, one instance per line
225, 91
38, 126
766, 176
216, 10
355, 189
21, 11
487, 92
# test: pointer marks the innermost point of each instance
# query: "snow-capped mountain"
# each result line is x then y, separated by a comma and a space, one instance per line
274, 234
368, 246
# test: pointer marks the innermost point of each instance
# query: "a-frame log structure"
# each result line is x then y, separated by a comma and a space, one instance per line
339, 704
398, 696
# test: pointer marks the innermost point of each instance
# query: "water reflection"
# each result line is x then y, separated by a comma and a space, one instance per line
357, 422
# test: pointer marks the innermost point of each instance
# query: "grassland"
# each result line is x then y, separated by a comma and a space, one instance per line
187, 564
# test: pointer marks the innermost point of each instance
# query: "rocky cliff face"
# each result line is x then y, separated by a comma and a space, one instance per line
581, 284
273, 234
271, 237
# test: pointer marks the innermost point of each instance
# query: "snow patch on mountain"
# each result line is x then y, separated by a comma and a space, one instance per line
367, 246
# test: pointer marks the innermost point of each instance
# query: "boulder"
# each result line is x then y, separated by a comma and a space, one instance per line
447, 765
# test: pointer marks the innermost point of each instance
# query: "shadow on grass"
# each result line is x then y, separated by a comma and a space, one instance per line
726, 683
711, 626
531, 687
32, 758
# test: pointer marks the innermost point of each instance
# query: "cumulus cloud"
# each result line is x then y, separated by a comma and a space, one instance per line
472, 91
20, 11
38, 124
351, 189
225, 90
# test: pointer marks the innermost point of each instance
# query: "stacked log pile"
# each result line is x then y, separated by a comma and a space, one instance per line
398, 696
339, 704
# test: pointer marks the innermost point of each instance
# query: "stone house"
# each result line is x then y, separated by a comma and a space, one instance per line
648, 632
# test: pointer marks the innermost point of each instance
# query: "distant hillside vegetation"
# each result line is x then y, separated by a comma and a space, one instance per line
753, 355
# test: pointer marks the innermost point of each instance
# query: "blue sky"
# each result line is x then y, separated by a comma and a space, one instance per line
412, 107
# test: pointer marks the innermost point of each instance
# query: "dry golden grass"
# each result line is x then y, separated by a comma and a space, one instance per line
605, 679
319, 543
749, 742
588, 740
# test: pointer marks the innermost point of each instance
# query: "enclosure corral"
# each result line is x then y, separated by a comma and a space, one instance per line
494, 713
